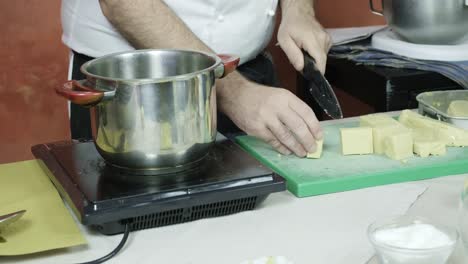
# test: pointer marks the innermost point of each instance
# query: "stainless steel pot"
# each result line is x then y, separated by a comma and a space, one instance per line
153, 109
426, 21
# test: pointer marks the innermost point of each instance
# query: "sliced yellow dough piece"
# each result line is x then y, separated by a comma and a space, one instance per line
426, 143
318, 152
425, 148
399, 145
383, 126
356, 140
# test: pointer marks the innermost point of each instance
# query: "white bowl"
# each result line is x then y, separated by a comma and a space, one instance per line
407, 242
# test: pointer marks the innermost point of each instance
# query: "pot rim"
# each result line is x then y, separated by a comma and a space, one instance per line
184, 76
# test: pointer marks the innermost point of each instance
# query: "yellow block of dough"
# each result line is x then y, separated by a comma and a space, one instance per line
399, 145
426, 143
318, 153
380, 133
423, 134
424, 148
458, 108
357, 140
383, 126
373, 120
449, 134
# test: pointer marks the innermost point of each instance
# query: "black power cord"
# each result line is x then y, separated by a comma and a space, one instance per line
113, 252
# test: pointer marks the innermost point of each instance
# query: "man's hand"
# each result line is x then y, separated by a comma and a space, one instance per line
275, 115
300, 30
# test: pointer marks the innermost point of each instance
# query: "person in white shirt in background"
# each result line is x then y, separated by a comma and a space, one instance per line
242, 27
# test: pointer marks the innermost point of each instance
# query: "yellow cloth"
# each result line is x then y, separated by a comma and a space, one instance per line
47, 224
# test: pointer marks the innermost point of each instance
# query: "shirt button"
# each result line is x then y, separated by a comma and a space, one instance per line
220, 18
272, 12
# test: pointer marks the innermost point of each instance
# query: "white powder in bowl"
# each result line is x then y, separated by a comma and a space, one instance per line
414, 236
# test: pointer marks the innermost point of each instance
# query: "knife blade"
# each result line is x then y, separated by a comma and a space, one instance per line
320, 89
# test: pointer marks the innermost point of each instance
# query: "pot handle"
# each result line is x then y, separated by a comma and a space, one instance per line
374, 10
77, 93
230, 63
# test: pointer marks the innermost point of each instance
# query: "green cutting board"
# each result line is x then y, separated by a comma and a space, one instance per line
335, 172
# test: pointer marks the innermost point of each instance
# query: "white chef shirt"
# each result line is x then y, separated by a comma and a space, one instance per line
240, 27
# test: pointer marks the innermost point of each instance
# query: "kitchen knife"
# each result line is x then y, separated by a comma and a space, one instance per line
320, 88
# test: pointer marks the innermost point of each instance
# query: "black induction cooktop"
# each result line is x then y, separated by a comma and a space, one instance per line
227, 181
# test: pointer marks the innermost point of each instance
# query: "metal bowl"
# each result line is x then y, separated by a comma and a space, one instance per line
154, 110
427, 21
435, 105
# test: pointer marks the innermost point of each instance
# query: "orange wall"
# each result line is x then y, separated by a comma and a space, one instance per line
34, 61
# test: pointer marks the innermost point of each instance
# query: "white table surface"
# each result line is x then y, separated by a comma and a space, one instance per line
321, 229
325, 229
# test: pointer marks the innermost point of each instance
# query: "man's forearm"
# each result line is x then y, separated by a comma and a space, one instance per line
304, 5
150, 24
